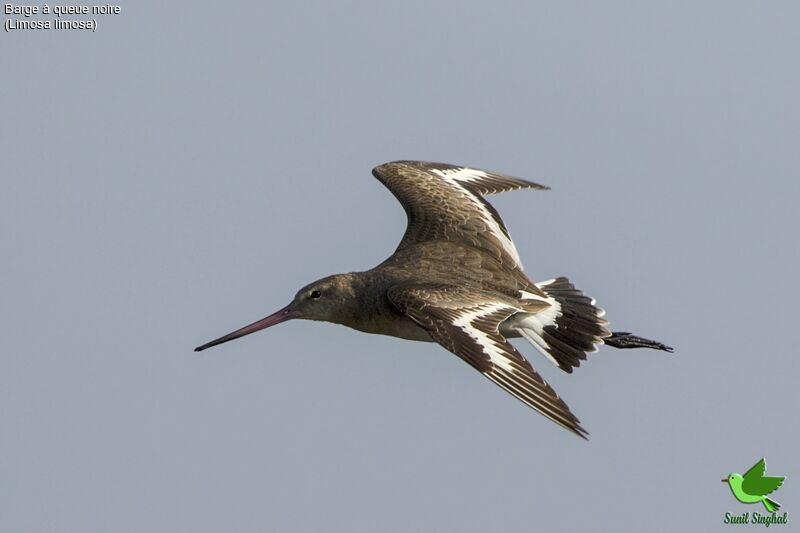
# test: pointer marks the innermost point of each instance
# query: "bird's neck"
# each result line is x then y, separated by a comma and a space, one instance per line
367, 308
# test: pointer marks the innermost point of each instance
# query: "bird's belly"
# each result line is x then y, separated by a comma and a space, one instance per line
401, 327
748, 498
405, 328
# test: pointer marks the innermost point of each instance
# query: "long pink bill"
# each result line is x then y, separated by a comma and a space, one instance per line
276, 318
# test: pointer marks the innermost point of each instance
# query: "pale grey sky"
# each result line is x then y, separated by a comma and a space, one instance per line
184, 169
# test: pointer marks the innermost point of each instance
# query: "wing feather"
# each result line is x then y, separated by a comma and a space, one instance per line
755, 482
444, 203
466, 321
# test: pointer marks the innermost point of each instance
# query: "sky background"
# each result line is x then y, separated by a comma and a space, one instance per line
186, 168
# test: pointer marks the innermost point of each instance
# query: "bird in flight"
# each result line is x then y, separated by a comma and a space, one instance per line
456, 279
753, 486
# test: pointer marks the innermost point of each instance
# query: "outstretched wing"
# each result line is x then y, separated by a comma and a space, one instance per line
754, 482
444, 203
466, 321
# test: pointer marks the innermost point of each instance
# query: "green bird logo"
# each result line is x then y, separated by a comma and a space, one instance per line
753, 486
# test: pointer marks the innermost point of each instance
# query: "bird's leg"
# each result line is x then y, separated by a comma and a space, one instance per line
623, 339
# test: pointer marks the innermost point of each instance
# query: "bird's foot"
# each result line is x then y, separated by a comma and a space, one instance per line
623, 339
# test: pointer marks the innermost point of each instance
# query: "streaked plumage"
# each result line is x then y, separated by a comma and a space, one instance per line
456, 278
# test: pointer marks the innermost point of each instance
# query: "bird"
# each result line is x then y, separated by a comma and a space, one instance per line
457, 279
753, 486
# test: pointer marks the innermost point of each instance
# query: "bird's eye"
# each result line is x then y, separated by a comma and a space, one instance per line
316, 294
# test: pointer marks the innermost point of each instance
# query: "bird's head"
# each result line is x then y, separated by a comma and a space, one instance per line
734, 480
328, 299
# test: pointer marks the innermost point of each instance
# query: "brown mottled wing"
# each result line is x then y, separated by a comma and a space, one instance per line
444, 203
466, 321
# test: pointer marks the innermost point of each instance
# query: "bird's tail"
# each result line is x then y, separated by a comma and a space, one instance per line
570, 328
573, 326
771, 505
